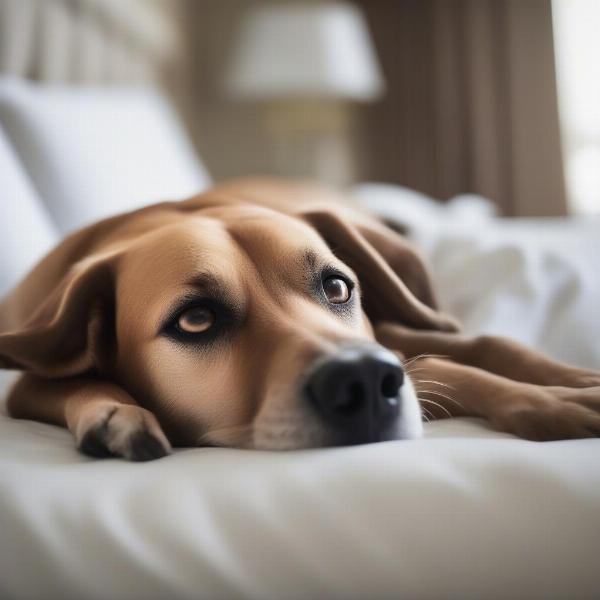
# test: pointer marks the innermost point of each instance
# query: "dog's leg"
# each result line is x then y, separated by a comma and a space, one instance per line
104, 419
497, 355
530, 411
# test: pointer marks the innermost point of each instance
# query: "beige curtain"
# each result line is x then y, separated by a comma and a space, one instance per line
92, 41
471, 103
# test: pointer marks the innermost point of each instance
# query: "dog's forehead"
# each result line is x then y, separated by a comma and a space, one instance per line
266, 234
261, 234
220, 241
167, 254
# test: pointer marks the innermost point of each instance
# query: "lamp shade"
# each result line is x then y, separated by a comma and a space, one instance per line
304, 50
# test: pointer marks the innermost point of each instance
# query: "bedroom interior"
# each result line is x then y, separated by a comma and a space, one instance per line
470, 93
473, 123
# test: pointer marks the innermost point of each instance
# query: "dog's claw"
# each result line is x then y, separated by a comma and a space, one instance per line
144, 446
93, 443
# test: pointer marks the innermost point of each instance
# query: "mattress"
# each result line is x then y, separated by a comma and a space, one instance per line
463, 513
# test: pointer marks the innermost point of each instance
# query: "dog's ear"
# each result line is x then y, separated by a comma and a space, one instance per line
70, 328
394, 281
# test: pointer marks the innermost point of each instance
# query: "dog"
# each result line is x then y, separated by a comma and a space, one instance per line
262, 314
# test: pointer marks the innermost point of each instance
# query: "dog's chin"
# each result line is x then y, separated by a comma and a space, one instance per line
300, 428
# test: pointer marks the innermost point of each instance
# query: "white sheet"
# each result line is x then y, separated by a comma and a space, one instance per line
465, 513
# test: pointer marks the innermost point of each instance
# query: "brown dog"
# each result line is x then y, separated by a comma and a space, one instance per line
261, 314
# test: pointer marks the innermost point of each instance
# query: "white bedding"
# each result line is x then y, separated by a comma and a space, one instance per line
92, 152
465, 513
535, 280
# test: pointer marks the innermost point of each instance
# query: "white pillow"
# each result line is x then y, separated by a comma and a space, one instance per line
535, 280
92, 152
26, 232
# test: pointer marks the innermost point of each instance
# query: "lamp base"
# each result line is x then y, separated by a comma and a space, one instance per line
312, 139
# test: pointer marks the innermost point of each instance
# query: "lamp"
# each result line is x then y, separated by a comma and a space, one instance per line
307, 63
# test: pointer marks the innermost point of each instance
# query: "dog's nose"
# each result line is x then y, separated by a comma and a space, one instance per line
357, 392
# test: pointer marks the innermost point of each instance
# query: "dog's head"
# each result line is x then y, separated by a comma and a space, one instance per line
240, 319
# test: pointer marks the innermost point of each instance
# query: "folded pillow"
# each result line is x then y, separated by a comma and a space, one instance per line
92, 152
26, 232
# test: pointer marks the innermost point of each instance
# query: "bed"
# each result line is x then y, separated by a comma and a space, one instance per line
464, 513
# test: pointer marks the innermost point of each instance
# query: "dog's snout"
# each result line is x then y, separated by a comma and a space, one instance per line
357, 392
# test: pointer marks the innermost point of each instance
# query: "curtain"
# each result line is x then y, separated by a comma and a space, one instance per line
91, 41
471, 102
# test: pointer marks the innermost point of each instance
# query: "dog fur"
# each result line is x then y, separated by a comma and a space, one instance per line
87, 328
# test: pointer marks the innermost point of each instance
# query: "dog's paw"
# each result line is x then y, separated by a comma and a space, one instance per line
558, 414
124, 430
571, 377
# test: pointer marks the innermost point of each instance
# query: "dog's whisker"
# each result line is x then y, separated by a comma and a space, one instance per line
418, 383
437, 383
422, 356
415, 370
436, 404
427, 417
436, 393
411, 360
449, 398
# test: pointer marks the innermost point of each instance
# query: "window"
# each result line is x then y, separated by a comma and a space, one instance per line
577, 47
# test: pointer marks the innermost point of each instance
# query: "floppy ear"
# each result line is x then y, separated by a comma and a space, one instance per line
394, 281
70, 328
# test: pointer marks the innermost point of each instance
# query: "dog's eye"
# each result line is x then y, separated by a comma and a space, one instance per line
196, 320
336, 290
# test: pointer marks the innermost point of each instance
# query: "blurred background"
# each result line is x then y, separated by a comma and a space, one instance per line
493, 97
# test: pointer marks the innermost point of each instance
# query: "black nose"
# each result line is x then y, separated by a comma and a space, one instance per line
356, 392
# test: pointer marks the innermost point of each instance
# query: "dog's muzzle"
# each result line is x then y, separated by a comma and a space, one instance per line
357, 393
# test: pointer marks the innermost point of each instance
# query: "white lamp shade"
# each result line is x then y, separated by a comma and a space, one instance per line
304, 50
